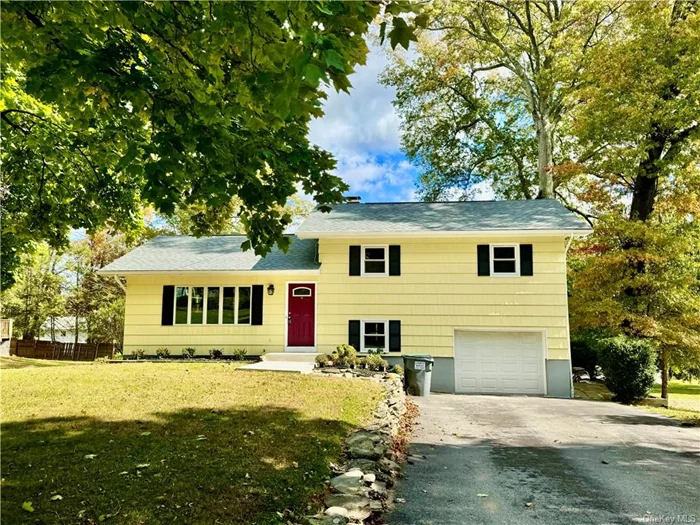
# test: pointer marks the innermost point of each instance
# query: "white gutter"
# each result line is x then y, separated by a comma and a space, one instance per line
218, 272
440, 234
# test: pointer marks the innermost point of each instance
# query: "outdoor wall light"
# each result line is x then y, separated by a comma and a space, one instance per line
271, 290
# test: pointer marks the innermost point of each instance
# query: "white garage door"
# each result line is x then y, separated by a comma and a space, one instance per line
499, 362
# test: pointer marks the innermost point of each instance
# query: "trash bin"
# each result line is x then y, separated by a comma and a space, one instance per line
417, 372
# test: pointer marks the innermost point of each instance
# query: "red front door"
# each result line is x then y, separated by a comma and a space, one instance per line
301, 317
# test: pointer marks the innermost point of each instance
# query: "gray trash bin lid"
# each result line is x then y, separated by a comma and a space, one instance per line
420, 357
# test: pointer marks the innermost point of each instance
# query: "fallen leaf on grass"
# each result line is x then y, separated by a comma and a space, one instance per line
57, 497
27, 506
145, 434
143, 465
529, 504
90, 456
482, 495
604, 462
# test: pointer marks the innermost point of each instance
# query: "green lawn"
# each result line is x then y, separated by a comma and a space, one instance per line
683, 398
11, 363
170, 442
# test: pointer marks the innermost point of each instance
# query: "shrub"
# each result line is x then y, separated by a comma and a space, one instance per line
375, 362
118, 356
138, 353
162, 352
216, 353
629, 366
239, 354
344, 356
322, 360
361, 362
188, 352
397, 369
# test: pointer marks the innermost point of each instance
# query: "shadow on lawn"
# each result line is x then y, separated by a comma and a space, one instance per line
198, 466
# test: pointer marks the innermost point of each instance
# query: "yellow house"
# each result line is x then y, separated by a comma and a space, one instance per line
480, 286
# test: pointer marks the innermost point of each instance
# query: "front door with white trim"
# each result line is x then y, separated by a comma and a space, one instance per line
301, 316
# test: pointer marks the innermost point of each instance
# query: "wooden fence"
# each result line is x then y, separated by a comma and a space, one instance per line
60, 351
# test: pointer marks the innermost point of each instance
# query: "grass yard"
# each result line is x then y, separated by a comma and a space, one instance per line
683, 398
11, 363
171, 442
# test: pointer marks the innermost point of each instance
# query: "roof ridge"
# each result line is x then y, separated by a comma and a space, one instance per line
450, 202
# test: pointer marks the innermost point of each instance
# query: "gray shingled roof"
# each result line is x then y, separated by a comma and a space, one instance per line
180, 253
424, 217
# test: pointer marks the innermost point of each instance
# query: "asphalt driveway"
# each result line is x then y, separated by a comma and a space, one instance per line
500, 460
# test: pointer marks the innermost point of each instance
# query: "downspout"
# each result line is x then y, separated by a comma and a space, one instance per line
119, 282
568, 329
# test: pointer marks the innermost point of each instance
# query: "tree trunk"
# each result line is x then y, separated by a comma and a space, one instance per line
664, 373
543, 129
643, 197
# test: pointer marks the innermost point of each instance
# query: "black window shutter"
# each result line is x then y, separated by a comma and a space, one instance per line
394, 336
483, 256
355, 261
395, 260
526, 259
166, 313
354, 334
256, 316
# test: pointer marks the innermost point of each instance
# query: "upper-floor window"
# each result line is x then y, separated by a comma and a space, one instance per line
375, 260
505, 260
212, 305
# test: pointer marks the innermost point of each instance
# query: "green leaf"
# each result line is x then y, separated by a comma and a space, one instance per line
401, 34
421, 21
334, 59
27, 506
312, 74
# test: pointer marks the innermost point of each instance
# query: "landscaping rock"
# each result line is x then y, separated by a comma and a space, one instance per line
337, 511
364, 444
348, 483
388, 466
369, 478
357, 507
365, 465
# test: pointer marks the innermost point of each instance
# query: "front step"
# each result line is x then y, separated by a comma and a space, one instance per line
290, 357
280, 366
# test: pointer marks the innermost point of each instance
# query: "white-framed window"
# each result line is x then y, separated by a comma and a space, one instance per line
208, 305
374, 336
375, 261
505, 260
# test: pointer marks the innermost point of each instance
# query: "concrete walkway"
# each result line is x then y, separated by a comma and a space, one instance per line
529, 460
293, 362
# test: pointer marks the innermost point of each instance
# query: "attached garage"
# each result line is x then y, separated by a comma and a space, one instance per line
499, 362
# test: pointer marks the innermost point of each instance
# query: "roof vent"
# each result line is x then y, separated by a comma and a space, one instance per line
353, 200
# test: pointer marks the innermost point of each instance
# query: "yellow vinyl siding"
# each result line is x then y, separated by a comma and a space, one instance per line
439, 290
142, 328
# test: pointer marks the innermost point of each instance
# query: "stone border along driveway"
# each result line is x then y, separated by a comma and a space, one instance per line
362, 487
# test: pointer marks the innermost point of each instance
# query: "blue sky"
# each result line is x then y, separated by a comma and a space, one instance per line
361, 130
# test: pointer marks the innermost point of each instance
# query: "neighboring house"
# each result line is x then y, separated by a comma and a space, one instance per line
481, 286
63, 329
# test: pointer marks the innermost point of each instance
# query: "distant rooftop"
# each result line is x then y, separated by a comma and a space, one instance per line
182, 253
426, 217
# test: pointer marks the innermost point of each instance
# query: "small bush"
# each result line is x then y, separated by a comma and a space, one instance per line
216, 353
344, 356
162, 352
397, 369
629, 366
239, 354
322, 360
376, 362
361, 362
138, 353
118, 356
188, 352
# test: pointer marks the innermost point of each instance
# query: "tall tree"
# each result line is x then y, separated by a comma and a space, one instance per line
106, 104
637, 123
36, 295
534, 48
